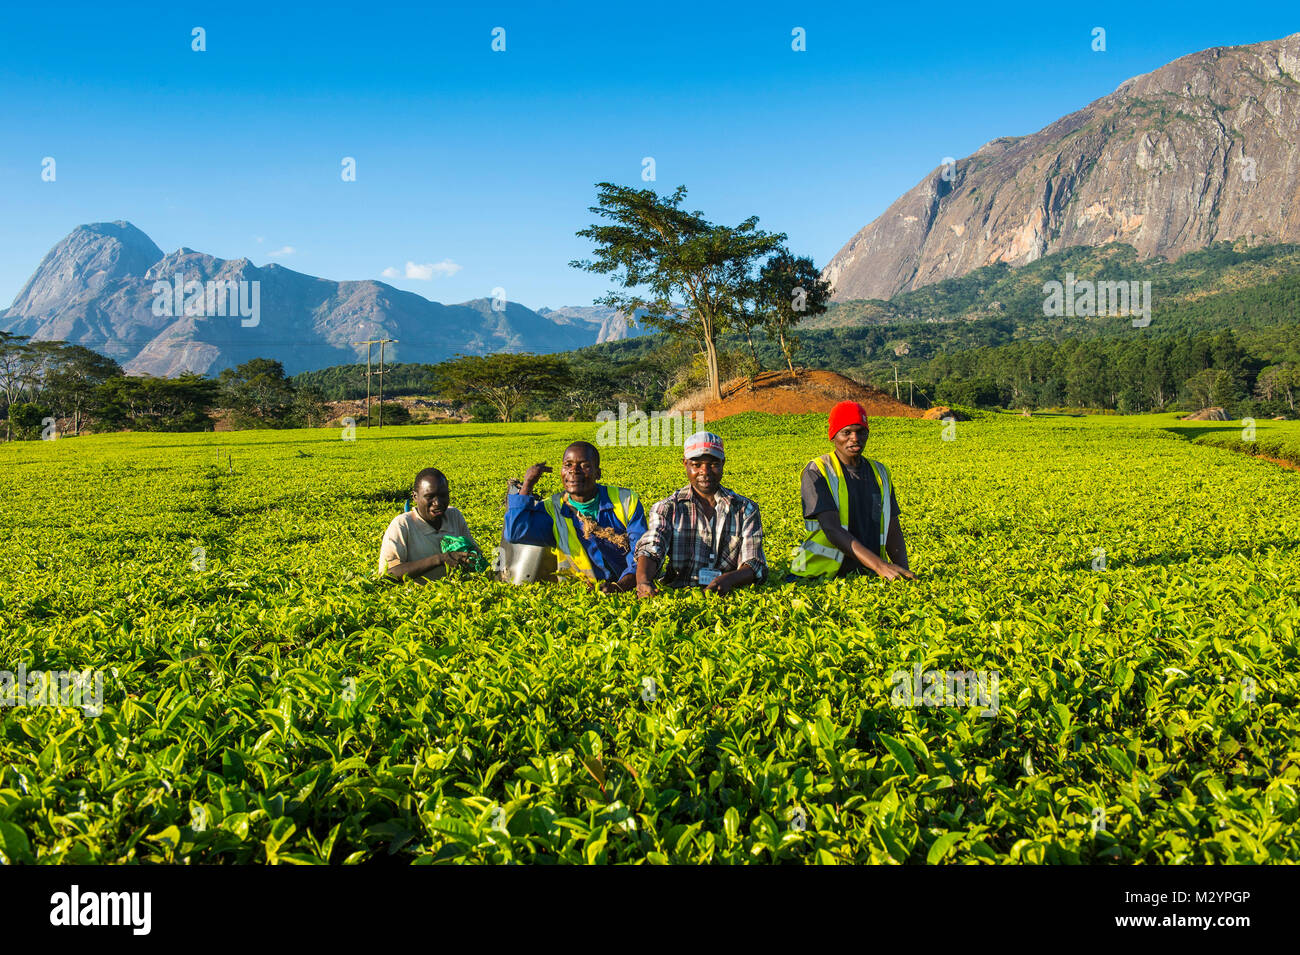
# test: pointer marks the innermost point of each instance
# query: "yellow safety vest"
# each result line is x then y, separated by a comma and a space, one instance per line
571, 557
817, 556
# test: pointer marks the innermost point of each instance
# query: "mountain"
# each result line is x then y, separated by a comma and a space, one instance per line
611, 324
97, 288
1199, 151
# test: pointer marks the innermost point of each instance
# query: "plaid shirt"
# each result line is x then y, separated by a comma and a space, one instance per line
676, 527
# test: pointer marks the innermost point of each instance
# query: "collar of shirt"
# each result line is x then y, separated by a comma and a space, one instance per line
686, 496
425, 526
603, 501
858, 471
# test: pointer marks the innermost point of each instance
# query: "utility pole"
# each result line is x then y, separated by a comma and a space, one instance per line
381, 342
368, 384
897, 382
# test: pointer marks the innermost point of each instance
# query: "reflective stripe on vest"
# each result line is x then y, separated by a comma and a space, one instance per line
817, 556
624, 504
571, 557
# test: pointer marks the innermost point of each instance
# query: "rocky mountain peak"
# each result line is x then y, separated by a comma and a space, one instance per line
1199, 151
88, 260
97, 288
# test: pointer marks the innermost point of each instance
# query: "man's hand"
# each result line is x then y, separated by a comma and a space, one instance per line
454, 559
722, 584
621, 586
894, 572
534, 474
645, 588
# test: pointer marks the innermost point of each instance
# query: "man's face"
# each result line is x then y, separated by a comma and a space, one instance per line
850, 440
704, 473
579, 472
431, 499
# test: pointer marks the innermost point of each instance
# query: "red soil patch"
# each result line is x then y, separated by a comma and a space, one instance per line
809, 392
1280, 462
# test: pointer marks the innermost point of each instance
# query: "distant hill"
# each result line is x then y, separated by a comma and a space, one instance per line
1003, 292
1200, 151
611, 324
97, 288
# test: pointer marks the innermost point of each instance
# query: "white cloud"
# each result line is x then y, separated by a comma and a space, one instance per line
391, 273
424, 273
287, 250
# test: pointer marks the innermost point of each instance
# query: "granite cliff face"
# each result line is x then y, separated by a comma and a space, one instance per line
1201, 150
611, 324
97, 288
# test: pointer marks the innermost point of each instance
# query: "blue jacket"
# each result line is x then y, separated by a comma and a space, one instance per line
527, 522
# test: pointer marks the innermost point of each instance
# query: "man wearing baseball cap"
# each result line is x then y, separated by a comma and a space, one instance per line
708, 535
849, 508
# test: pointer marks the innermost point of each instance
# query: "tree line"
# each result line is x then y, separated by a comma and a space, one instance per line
732, 299
1130, 375
44, 382
1250, 374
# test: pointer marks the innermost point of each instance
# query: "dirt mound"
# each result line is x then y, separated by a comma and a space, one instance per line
939, 412
1208, 414
808, 392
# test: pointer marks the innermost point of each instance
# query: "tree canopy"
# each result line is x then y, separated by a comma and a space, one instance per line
689, 275
789, 289
504, 381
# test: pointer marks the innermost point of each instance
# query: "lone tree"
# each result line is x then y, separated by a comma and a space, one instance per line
788, 290
505, 381
666, 255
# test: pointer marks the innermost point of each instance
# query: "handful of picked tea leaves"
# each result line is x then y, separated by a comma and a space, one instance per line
452, 544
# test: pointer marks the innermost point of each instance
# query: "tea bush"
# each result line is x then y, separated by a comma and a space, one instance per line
265, 699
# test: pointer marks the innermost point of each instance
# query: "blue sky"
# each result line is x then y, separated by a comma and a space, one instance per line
482, 164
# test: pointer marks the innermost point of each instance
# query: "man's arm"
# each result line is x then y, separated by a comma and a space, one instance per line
895, 546
527, 521
651, 548
647, 569
393, 554
463, 531
843, 541
425, 566
724, 583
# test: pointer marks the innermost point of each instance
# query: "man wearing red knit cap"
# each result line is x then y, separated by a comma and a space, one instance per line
849, 508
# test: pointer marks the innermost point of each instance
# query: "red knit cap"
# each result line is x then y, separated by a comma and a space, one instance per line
846, 413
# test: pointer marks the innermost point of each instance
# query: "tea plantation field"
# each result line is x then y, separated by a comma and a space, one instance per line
266, 700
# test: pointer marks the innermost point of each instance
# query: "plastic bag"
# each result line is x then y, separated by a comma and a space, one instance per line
452, 544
